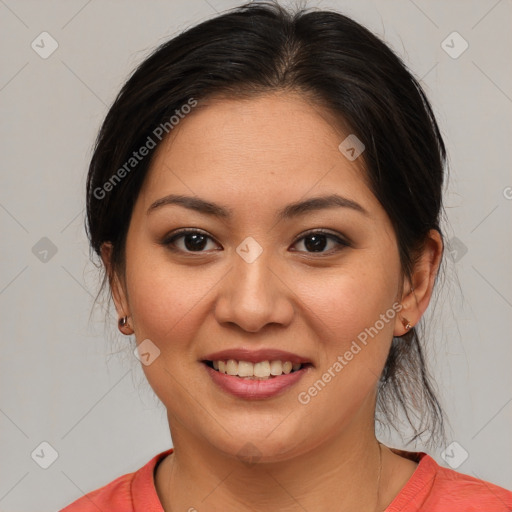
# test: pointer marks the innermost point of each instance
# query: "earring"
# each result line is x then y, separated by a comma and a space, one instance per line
406, 323
124, 327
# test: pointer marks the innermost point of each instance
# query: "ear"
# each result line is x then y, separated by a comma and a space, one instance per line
116, 286
416, 294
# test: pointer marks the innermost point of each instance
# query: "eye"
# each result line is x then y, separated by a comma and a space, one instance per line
194, 240
191, 240
317, 241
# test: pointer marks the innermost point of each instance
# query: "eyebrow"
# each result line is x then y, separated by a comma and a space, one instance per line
292, 210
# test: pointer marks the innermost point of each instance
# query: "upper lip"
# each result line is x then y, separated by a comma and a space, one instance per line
255, 356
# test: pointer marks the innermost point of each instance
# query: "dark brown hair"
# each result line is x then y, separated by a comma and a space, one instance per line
262, 47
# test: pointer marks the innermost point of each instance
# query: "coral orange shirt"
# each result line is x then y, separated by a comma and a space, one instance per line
431, 488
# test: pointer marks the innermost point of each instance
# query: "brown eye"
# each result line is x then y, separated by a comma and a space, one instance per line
190, 240
317, 241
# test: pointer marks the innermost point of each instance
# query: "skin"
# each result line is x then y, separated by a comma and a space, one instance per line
255, 156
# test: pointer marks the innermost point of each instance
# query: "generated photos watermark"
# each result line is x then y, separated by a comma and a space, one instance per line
337, 366
137, 156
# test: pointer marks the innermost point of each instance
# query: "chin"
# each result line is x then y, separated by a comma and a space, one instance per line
258, 446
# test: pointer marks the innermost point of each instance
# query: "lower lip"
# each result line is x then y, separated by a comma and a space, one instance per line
252, 389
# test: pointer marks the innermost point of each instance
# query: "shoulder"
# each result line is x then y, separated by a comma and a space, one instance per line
476, 494
434, 488
116, 495
128, 493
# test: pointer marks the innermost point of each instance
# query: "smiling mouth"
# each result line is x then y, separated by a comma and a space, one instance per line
263, 370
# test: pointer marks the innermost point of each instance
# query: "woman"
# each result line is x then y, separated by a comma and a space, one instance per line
265, 195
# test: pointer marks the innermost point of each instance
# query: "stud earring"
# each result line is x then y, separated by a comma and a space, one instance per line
124, 327
406, 323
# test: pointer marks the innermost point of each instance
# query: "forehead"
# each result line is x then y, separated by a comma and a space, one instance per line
284, 125
270, 145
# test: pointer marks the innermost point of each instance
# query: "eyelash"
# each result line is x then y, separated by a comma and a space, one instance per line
171, 239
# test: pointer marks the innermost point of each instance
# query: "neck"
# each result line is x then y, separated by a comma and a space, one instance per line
343, 474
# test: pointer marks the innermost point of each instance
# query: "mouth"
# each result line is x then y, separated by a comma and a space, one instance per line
255, 374
260, 370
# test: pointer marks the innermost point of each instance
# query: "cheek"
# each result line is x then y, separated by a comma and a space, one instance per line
348, 300
352, 346
167, 305
165, 300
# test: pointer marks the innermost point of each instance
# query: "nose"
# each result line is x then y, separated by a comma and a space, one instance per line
254, 295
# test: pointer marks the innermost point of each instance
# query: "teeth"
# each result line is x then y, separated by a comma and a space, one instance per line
260, 370
276, 368
245, 369
232, 367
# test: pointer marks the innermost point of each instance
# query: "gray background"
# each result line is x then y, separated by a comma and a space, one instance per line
73, 382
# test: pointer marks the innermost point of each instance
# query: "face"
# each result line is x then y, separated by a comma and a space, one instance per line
260, 274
